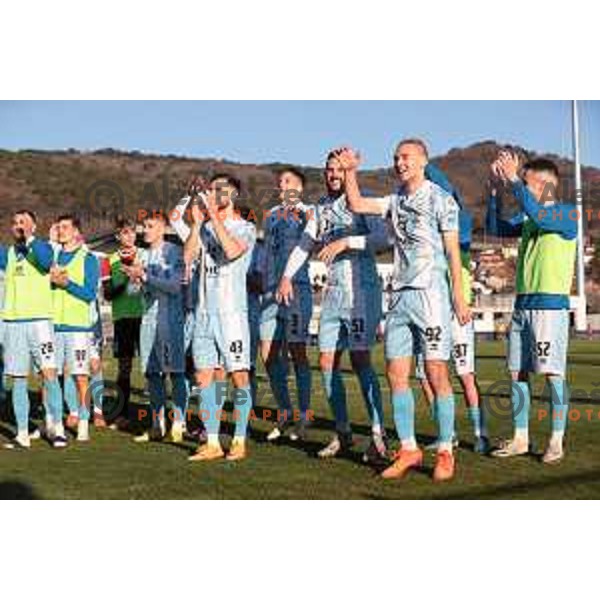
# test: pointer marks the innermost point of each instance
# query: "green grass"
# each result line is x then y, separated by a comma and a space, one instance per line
112, 466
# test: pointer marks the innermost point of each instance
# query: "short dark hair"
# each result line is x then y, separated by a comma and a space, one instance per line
124, 222
230, 179
542, 164
415, 142
70, 217
27, 212
296, 173
155, 215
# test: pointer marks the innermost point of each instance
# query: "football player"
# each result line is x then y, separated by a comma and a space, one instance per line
463, 336
222, 243
539, 330
29, 339
284, 327
160, 271
424, 223
75, 277
350, 309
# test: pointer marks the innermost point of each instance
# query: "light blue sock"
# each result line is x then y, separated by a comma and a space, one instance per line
54, 400
277, 371
242, 401
369, 384
335, 391
475, 415
303, 385
84, 409
445, 415
208, 408
20, 400
403, 405
158, 397
70, 393
559, 403
97, 391
520, 400
180, 395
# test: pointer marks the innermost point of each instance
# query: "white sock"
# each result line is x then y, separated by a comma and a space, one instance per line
213, 439
557, 438
522, 435
377, 431
239, 439
409, 444
445, 447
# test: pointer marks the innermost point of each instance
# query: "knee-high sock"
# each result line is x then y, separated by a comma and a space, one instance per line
242, 402
520, 400
303, 384
445, 418
180, 395
97, 391
71, 395
208, 412
54, 401
477, 418
277, 371
403, 404
335, 391
84, 406
20, 400
158, 397
369, 384
559, 403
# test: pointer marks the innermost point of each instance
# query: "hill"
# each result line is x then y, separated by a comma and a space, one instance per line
99, 184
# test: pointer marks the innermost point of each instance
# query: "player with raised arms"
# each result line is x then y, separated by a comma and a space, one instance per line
539, 330
424, 223
29, 339
222, 243
350, 310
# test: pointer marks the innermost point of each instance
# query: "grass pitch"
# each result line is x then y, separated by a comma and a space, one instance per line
112, 466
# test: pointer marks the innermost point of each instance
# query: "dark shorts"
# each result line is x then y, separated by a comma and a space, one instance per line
126, 342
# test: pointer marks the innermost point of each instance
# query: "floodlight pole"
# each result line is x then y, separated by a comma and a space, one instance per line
581, 308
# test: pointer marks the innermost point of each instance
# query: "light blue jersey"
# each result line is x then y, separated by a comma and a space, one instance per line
351, 306
162, 331
221, 332
222, 283
417, 224
420, 307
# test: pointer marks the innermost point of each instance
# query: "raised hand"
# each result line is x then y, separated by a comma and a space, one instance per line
348, 158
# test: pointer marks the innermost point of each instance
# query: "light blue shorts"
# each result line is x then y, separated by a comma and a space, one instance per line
349, 325
538, 341
463, 350
419, 320
73, 352
28, 346
162, 349
279, 323
222, 340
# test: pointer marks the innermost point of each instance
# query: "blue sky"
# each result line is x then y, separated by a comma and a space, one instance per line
297, 132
